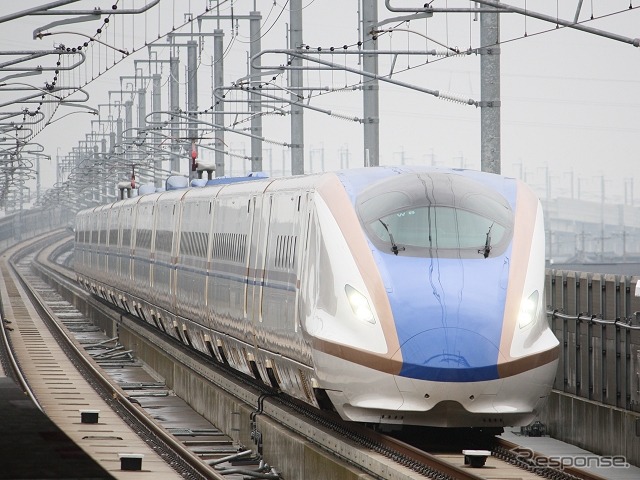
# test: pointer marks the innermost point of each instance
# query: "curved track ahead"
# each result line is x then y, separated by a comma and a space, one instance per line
64, 382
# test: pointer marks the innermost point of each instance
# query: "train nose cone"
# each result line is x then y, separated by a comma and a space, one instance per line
449, 355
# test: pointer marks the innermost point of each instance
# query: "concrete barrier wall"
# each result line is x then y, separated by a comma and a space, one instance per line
599, 428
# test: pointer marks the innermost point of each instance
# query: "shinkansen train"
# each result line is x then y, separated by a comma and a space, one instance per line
393, 295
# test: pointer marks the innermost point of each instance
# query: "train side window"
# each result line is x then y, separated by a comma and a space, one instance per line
164, 240
126, 237
293, 251
226, 246
143, 238
285, 251
278, 250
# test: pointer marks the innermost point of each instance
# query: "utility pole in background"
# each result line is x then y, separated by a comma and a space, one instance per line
174, 106
255, 100
490, 92
192, 99
370, 88
295, 85
218, 82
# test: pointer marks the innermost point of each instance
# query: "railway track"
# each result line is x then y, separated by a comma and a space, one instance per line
377, 455
64, 382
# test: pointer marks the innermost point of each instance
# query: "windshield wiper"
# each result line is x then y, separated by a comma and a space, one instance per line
394, 247
487, 243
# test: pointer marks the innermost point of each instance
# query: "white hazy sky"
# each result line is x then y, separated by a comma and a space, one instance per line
570, 100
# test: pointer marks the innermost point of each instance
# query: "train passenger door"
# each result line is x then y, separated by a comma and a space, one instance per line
126, 222
112, 244
302, 231
277, 326
260, 218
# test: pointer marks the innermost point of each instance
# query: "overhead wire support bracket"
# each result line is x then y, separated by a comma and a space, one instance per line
65, 103
36, 10
96, 11
222, 127
262, 93
502, 7
8, 115
93, 39
59, 99
33, 54
29, 56
431, 10
382, 78
20, 75
67, 21
403, 18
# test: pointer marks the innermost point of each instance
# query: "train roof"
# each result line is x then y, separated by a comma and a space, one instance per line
354, 181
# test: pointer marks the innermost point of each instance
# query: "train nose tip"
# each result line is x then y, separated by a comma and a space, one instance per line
449, 355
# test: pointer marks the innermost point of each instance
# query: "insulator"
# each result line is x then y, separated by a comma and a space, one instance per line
347, 118
452, 97
449, 53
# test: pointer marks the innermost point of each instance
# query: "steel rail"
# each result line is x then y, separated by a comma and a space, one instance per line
16, 372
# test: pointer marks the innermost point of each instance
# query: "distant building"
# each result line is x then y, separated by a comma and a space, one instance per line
580, 231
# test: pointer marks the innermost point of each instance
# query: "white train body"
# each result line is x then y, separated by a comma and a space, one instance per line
408, 295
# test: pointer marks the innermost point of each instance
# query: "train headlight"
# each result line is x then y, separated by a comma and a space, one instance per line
359, 304
528, 310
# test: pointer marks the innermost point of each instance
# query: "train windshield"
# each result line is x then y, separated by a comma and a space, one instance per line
436, 213
438, 227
